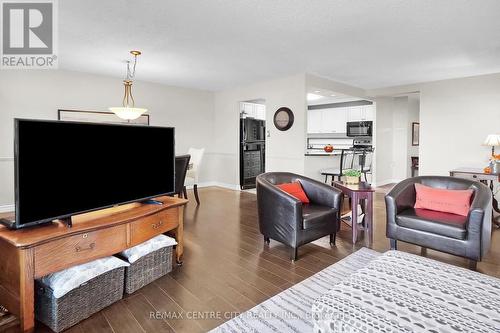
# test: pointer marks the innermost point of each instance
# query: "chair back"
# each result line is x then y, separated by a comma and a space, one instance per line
196, 158
181, 166
364, 162
346, 160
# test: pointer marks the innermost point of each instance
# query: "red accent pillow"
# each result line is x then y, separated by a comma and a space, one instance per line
442, 200
296, 190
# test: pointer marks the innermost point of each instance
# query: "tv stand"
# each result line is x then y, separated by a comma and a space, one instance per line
31, 253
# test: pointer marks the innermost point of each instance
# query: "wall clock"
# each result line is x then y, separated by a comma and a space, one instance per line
283, 118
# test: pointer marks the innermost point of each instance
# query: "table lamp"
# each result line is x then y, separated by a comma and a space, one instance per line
492, 140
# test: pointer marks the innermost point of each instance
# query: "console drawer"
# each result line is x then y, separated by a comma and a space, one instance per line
153, 225
79, 249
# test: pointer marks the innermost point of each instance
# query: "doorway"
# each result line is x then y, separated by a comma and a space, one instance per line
252, 141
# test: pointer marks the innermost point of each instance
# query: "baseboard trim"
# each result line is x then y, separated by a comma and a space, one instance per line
7, 208
217, 184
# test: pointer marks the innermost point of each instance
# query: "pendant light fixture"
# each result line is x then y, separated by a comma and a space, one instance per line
128, 111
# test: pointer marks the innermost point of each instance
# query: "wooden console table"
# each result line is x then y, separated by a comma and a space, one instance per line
485, 178
359, 192
31, 253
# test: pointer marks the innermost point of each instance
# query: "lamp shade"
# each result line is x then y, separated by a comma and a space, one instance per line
128, 113
492, 140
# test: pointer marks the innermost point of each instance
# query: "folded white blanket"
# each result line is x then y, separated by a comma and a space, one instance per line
135, 253
66, 280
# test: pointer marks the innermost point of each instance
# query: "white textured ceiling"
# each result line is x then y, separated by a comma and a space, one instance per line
218, 44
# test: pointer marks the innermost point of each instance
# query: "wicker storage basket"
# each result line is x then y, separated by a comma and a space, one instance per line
148, 268
80, 303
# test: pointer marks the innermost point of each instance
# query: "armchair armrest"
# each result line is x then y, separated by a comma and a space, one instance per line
280, 214
321, 193
479, 223
401, 197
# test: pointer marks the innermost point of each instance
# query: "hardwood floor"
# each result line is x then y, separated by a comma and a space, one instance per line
228, 269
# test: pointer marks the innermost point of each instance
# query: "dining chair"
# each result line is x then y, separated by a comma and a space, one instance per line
194, 171
181, 166
346, 162
365, 162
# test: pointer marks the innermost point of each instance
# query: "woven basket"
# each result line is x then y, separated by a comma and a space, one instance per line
80, 303
147, 269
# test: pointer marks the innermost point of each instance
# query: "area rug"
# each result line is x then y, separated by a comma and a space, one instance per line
290, 310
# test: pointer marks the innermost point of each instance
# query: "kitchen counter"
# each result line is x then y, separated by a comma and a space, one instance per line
322, 154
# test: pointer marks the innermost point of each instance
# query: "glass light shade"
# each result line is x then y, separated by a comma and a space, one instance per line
492, 140
128, 113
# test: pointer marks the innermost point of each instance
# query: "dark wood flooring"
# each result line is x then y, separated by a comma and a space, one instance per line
228, 269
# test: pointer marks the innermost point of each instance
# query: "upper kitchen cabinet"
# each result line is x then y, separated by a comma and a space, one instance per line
252, 110
360, 113
327, 120
314, 121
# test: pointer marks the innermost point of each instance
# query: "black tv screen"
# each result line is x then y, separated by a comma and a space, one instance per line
67, 168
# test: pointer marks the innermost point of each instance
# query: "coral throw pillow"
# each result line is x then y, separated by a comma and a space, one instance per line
441, 200
296, 190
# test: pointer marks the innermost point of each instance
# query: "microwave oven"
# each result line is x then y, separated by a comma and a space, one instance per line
359, 128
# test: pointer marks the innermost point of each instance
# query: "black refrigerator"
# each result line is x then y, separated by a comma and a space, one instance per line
252, 150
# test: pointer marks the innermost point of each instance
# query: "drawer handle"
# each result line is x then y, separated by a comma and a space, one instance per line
157, 225
475, 176
81, 249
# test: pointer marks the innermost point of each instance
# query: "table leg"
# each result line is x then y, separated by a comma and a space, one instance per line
27, 291
179, 236
354, 217
495, 206
369, 217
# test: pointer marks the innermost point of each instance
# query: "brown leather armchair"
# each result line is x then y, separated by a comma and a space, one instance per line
286, 219
465, 236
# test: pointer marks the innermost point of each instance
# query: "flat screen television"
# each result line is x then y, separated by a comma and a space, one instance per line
68, 168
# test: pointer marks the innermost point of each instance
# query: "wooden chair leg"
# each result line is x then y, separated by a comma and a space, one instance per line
423, 251
394, 244
195, 188
472, 265
185, 192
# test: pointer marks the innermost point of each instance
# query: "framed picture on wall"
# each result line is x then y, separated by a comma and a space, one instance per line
415, 134
98, 117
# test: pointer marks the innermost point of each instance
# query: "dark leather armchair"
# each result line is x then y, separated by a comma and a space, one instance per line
465, 236
286, 219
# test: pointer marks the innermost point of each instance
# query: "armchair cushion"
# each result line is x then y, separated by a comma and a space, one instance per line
296, 190
316, 216
440, 223
443, 200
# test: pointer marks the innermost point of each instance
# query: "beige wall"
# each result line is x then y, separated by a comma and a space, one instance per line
455, 118
39, 94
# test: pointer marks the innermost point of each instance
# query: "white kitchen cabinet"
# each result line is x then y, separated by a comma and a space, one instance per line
355, 113
248, 109
369, 112
334, 120
260, 111
252, 110
327, 120
314, 121
361, 113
